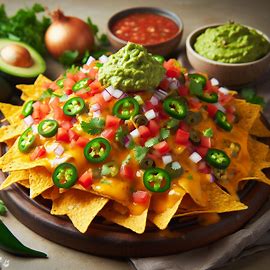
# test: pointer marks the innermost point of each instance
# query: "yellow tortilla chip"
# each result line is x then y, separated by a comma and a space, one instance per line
161, 220
258, 151
24, 183
14, 177
247, 113
11, 112
219, 202
81, 207
33, 91
11, 131
259, 129
40, 179
132, 222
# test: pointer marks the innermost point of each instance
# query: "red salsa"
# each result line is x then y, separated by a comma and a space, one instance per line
145, 28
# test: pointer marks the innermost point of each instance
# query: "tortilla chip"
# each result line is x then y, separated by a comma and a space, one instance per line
259, 129
132, 222
11, 131
161, 220
33, 91
247, 112
219, 202
40, 179
258, 151
81, 207
25, 183
15, 177
11, 112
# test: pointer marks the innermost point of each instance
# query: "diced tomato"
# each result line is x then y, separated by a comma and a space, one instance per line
162, 147
154, 127
109, 133
211, 109
127, 172
95, 87
148, 105
230, 117
184, 126
53, 86
230, 109
224, 99
62, 135
66, 125
36, 111
86, 179
201, 150
182, 137
141, 197
112, 121
68, 83
73, 136
194, 103
79, 76
173, 68
83, 93
58, 112
144, 131
39, 152
93, 73
68, 91
82, 142
206, 141
208, 87
183, 90
44, 109
164, 84
98, 98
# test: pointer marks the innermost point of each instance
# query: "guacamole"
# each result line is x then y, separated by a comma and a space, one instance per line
232, 43
132, 68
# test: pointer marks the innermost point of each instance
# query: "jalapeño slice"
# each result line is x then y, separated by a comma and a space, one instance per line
83, 83
97, 150
65, 175
125, 108
209, 97
60, 82
222, 121
198, 78
28, 108
74, 106
48, 128
175, 107
156, 180
26, 140
217, 158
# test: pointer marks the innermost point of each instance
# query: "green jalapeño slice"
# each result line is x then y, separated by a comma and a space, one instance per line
28, 108
222, 121
125, 108
217, 158
97, 150
156, 180
48, 128
74, 106
209, 97
26, 140
65, 175
175, 107
83, 83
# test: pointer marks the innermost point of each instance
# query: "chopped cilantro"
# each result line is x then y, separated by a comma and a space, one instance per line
140, 153
105, 181
101, 39
121, 134
3, 209
208, 132
151, 142
189, 177
47, 94
250, 96
164, 133
95, 126
68, 57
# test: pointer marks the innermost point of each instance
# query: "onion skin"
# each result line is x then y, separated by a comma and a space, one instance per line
68, 33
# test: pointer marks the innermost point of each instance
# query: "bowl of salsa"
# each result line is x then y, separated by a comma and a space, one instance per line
159, 30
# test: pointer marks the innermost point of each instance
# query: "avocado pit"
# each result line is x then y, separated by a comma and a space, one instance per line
16, 55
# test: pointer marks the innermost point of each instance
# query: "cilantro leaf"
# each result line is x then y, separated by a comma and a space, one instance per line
3, 209
164, 133
68, 57
120, 135
93, 26
105, 170
95, 126
196, 88
250, 96
151, 142
47, 94
208, 132
140, 153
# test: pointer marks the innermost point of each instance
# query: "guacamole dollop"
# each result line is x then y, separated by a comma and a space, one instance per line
232, 43
132, 68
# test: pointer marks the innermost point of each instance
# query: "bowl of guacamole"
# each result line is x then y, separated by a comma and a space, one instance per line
234, 54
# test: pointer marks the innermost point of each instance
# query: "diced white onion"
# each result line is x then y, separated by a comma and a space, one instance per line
90, 60
84, 70
176, 165
117, 93
139, 173
95, 107
220, 107
35, 129
96, 114
135, 133
28, 120
195, 157
161, 94
166, 159
58, 161
59, 150
150, 114
63, 98
110, 89
103, 59
214, 82
224, 90
106, 95
174, 84
51, 147
154, 100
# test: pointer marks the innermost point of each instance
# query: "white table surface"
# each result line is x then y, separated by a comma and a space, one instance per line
194, 14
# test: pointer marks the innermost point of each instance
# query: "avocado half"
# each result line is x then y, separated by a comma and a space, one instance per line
22, 74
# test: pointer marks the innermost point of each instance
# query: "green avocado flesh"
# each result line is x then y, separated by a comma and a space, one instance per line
132, 68
39, 65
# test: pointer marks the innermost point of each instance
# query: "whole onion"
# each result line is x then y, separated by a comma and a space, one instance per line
68, 34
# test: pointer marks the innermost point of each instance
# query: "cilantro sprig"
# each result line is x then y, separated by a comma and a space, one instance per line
140, 153
95, 126
3, 209
250, 96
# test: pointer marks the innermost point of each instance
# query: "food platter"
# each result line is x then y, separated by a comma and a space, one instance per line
111, 240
